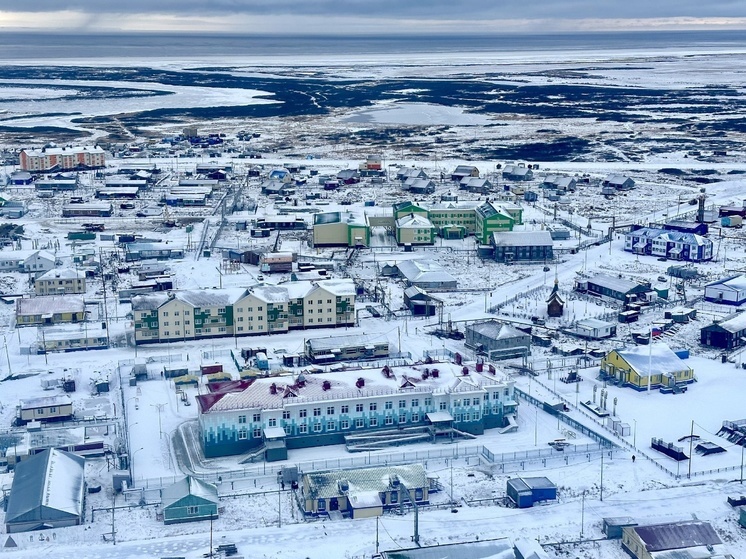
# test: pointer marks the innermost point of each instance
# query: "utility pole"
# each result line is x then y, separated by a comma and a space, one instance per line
279, 507
691, 442
159, 407
602, 474
376, 535
113, 506
582, 514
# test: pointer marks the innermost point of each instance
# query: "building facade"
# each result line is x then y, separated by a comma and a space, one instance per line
190, 315
64, 281
321, 410
63, 159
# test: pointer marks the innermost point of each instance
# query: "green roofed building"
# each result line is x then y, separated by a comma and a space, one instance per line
189, 500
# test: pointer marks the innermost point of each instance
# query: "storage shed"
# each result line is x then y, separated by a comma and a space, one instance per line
48, 492
614, 526
525, 492
189, 500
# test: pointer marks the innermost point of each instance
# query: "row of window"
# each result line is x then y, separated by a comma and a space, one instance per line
359, 423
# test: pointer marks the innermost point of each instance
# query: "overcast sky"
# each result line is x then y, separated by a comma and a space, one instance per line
369, 16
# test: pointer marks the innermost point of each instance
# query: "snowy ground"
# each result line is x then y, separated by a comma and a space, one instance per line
653, 488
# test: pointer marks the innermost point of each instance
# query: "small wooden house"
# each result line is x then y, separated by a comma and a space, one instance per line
189, 500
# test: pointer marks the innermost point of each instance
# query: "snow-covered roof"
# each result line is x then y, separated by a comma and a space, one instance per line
733, 282
341, 287
270, 293
327, 484
71, 150
618, 284
148, 302
496, 330
47, 487
211, 297
51, 305
62, 273
677, 535
734, 323
424, 271
655, 359
414, 221
522, 238
189, 486
44, 401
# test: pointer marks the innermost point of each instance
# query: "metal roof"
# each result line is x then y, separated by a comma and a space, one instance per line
656, 359
189, 486
47, 487
522, 238
677, 535
326, 484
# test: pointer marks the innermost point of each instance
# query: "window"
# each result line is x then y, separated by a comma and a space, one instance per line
507, 392
415, 403
317, 427
402, 404
418, 494
316, 412
467, 402
415, 417
331, 425
394, 497
272, 422
330, 410
345, 409
373, 406
242, 419
192, 510
303, 413
359, 422
389, 405
457, 417
476, 401
176, 313
443, 406
302, 428
428, 402
389, 420
165, 313
257, 418
373, 422
165, 323
243, 434
285, 414
322, 504
358, 408
402, 418
344, 424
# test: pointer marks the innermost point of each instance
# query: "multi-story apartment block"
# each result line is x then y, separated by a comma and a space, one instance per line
63, 281
188, 315
668, 244
63, 159
325, 409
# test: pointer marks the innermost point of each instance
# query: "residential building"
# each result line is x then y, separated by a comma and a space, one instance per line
189, 315
728, 333
189, 500
517, 173
44, 409
88, 209
522, 246
617, 288
134, 252
330, 408
53, 309
63, 159
426, 274
62, 281
464, 171
688, 539
654, 366
364, 492
618, 182
727, 291
593, 329
498, 340
668, 244
346, 348
26, 261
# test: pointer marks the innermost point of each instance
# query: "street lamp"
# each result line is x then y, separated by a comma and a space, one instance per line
159, 407
132, 465
634, 435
